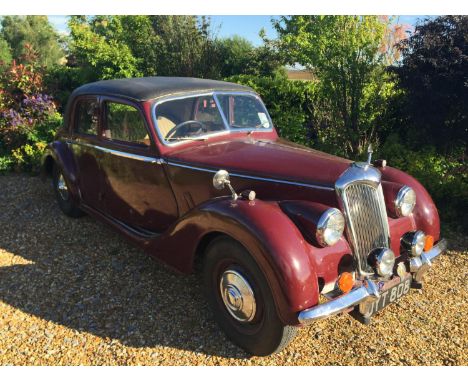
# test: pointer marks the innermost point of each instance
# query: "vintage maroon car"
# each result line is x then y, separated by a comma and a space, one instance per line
193, 169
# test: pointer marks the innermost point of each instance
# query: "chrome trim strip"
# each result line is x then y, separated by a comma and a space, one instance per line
221, 111
237, 175
368, 291
421, 264
226, 130
120, 153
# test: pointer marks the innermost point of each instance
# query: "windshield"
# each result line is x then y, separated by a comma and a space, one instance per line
195, 117
244, 111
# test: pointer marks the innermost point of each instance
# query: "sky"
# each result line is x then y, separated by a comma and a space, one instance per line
244, 26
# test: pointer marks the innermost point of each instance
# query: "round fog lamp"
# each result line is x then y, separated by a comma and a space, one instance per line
383, 260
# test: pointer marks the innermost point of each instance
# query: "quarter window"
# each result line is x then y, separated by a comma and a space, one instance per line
87, 116
125, 123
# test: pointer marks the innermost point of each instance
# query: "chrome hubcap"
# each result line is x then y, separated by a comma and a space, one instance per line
62, 188
238, 296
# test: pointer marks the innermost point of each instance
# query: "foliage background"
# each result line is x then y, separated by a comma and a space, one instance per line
372, 82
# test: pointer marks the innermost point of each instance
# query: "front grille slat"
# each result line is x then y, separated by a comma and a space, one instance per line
367, 220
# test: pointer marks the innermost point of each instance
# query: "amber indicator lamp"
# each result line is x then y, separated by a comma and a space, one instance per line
429, 243
345, 282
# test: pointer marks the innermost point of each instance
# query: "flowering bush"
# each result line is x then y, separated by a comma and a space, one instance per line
28, 117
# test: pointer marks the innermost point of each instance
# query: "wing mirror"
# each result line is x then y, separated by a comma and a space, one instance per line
221, 180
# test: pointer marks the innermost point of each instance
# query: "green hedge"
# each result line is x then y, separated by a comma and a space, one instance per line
446, 179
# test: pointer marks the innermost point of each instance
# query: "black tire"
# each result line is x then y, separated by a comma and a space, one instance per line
66, 204
262, 335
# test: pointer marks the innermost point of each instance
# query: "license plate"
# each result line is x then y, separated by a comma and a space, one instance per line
388, 296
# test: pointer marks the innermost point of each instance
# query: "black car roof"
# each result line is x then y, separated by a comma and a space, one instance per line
146, 88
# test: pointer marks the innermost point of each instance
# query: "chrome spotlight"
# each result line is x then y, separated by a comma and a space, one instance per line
383, 261
414, 242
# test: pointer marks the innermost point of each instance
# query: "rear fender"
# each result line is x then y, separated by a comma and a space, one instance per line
62, 156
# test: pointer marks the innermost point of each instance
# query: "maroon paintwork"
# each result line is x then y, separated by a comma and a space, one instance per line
176, 199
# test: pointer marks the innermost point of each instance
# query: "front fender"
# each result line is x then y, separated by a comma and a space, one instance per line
265, 231
425, 213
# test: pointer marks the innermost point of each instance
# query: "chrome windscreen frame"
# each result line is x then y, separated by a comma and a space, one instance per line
361, 173
227, 129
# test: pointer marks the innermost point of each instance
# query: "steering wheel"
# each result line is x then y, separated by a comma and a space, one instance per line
174, 132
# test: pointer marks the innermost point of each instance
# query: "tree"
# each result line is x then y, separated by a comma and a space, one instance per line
434, 76
144, 45
235, 55
344, 53
267, 62
5, 53
138, 34
36, 31
99, 56
184, 46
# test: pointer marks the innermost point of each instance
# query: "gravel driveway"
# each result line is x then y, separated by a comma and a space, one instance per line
74, 292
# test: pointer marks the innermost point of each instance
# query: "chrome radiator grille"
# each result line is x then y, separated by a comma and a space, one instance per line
367, 224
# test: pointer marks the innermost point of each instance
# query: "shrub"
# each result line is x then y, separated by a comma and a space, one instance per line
446, 179
28, 116
6, 163
61, 81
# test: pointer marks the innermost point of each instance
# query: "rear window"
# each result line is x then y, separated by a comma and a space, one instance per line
87, 116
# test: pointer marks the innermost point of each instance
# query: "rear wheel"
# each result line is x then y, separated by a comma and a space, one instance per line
62, 194
241, 299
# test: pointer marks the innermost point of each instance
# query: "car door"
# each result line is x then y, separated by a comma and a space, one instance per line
85, 146
136, 190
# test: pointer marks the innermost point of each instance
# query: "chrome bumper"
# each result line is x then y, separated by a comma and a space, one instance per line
369, 290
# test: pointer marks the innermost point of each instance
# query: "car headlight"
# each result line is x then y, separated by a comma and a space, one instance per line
414, 242
383, 261
405, 201
330, 227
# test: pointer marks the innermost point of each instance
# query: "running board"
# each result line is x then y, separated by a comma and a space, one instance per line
137, 231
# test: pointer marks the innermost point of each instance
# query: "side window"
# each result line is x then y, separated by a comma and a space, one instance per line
125, 123
86, 117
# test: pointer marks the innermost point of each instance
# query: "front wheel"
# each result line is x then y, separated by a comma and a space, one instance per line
62, 194
241, 299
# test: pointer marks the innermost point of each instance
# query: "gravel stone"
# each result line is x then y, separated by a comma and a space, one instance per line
74, 292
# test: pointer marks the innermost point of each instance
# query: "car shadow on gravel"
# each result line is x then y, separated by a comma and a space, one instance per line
80, 274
